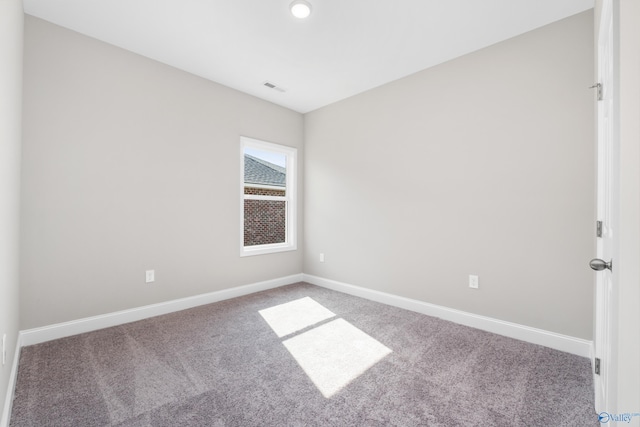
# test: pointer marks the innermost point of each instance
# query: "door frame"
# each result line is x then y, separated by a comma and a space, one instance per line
607, 190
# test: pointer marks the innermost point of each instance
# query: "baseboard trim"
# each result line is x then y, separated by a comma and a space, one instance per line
553, 340
65, 329
28, 337
11, 386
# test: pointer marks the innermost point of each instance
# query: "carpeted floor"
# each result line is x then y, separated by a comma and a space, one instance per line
299, 355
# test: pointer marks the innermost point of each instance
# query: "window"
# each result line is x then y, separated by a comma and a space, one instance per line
268, 210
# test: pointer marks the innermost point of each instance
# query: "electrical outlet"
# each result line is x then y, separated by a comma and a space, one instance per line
150, 276
321, 257
473, 281
4, 349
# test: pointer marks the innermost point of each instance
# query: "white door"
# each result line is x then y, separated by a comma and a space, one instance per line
606, 210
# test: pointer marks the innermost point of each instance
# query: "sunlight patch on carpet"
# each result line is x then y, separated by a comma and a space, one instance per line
294, 316
334, 354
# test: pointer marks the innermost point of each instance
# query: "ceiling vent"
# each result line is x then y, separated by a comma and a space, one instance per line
274, 87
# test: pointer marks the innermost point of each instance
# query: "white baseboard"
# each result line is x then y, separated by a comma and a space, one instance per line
553, 340
61, 330
11, 386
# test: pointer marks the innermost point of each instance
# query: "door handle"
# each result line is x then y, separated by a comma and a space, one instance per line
598, 265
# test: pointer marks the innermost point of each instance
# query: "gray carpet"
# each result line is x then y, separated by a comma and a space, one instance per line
223, 365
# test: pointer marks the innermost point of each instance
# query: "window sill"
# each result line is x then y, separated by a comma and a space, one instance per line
266, 249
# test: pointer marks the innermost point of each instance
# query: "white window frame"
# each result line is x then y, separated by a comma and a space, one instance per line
290, 197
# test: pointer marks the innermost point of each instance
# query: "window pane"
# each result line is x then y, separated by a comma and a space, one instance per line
264, 222
264, 170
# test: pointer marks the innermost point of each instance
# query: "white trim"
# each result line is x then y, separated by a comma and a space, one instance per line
261, 197
27, 337
266, 249
592, 357
74, 327
553, 340
263, 187
11, 386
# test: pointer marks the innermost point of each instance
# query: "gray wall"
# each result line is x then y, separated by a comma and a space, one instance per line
132, 165
483, 165
11, 23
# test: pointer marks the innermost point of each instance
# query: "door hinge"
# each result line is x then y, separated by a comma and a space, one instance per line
598, 228
596, 365
598, 87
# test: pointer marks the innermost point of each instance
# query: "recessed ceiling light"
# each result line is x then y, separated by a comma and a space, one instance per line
300, 9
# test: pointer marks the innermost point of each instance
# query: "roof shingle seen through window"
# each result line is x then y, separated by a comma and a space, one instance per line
261, 172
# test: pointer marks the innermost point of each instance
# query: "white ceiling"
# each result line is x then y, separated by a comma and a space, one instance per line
345, 47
